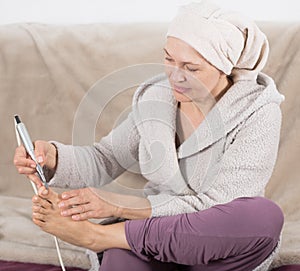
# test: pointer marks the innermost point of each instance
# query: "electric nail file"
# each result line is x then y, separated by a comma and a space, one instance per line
24, 135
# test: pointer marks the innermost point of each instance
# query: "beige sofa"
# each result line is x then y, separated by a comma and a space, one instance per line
45, 72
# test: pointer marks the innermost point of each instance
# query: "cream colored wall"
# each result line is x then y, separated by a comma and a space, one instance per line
89, 11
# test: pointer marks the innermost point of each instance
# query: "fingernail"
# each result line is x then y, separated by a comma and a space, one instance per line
63, 196
33, 165
45, 192
63, 213
60, 205
39, 159
75, 217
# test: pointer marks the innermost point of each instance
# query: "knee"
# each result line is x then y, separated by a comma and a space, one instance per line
269, 215
112, 252
113, 259
257, 216
273, 213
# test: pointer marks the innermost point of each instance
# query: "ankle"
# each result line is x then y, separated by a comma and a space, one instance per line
94, 237
106, 237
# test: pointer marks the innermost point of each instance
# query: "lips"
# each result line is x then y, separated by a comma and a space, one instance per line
181, 89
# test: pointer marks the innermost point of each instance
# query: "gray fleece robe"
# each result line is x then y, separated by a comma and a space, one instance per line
231, 154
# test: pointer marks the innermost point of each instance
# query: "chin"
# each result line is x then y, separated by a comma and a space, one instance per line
181, 97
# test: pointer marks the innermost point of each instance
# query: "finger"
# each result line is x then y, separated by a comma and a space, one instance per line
26, 170
70, 194
84, 216
39, 151
76, 210
35, 179
71, 202
72, 211
20, 152
24, 162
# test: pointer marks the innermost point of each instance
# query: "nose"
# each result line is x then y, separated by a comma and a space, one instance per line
176, 74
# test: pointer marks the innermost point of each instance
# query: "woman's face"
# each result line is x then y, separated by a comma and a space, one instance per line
191, 77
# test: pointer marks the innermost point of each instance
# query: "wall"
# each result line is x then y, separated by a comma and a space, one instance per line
89, 11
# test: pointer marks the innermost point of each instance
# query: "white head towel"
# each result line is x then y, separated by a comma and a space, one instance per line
231, 42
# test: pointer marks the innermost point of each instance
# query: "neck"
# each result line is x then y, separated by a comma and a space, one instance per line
192, 114
203, 107
222, 88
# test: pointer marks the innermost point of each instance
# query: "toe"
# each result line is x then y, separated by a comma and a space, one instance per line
48, 194
38, 201
38, 216
38, 222
39, 209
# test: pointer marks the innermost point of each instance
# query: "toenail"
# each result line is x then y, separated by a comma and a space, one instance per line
45, 192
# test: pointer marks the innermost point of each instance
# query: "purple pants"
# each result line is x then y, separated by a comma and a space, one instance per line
238, 235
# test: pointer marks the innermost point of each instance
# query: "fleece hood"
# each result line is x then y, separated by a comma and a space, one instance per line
154, 100
154, 112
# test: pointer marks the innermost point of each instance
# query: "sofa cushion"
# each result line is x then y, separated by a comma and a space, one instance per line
45, 72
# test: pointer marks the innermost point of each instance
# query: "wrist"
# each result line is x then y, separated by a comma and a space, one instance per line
140, 209
127, 206
51, 162
119, 212
52, 157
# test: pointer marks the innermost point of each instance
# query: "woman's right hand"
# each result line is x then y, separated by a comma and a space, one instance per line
46, 155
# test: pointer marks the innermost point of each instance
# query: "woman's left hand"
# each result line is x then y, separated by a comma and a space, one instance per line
86, 203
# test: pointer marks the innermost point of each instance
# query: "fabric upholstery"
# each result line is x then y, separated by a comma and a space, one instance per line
45, 71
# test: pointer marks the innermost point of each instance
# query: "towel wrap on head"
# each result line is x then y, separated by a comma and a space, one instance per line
229, 41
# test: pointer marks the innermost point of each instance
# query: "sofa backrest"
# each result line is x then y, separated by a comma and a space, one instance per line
46, 70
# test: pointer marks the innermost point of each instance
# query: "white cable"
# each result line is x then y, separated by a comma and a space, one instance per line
59, 255
55, 238
36, 192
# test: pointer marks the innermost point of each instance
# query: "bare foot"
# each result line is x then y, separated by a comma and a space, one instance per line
46, 214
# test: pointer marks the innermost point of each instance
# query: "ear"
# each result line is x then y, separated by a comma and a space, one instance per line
222, 75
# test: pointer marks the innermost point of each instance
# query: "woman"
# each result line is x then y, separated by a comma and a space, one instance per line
205, 134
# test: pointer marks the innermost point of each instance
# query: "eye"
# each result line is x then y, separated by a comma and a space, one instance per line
191, 69
168, 59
